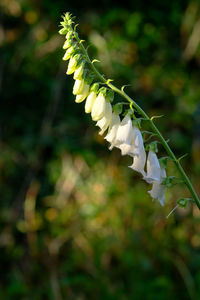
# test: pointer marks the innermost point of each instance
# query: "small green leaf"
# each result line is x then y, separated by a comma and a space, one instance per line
171, 181
184, 155
152, 146
110, 95
123, 87
95, 60
117, 108
156, 117
109, 80
183, 202
163, 161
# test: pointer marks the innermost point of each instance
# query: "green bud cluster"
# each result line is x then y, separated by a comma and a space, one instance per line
78, 64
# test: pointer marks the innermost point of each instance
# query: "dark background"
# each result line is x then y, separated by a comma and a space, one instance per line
75, 221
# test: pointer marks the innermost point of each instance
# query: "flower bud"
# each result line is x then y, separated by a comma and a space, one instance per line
84, 93
90, 102
63, 30
79, 71
69, 35
67, 44
91, 98
78, 86
72, 64
99, 106
69, 53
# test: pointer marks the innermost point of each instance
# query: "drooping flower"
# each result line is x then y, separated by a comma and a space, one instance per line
124, 132
139, 161
112, 131
153, 168
106, 120
137, 143
136, 147
158, 189
99, 107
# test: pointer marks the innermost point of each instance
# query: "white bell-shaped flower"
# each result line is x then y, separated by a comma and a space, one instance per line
112, 131
139, 162
136, 147
153, 168
158, 189
78, 86
125, 131
89, 102
137, 143
84, 93
106, 120
99, 107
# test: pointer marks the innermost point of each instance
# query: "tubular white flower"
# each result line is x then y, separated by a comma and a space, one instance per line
139, 162
99, 107
90, 102
137, 143
158, 189
79, 72
153, 168
125, 131
106, 120
111, 135
136, 147
124, 135
78, 86
81, 97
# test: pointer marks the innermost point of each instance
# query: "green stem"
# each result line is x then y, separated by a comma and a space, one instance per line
146, 117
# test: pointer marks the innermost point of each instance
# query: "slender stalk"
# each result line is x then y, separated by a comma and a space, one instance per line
146, 117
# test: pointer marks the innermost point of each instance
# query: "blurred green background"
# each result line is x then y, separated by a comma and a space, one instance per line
75, 221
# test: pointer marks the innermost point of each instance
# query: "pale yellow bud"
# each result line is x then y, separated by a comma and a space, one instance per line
68, 53
81, 97
89, 102
72, 65
79, 72
67, 44
78, 86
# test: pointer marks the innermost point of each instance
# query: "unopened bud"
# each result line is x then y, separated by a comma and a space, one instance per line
72, 64
69, 53
63, 30
78, 74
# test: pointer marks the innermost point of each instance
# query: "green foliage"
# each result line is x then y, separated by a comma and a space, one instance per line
76, 223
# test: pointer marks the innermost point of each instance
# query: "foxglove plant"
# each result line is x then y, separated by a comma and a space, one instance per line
123, 126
